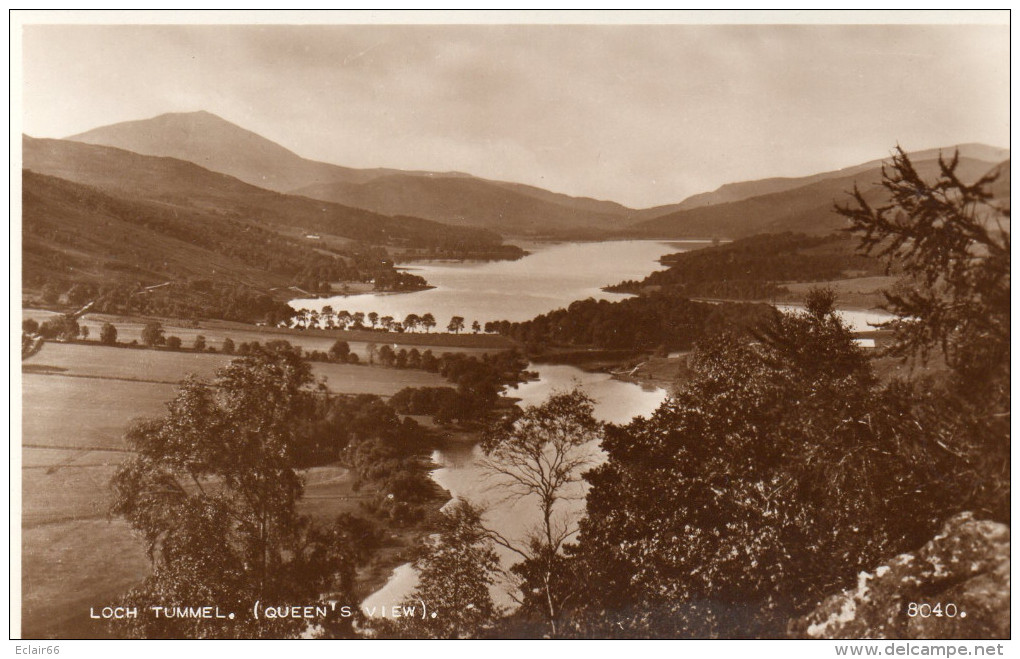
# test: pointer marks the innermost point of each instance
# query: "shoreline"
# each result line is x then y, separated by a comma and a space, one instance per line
419, 289
377, 572
791, 302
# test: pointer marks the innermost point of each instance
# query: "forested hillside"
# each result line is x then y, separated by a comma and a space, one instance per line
757, 267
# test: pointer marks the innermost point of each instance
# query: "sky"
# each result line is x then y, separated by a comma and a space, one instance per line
639, 114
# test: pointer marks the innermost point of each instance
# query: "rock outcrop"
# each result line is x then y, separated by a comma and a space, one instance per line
956, 586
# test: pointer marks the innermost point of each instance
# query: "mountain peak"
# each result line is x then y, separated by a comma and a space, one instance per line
215, 143
196, 114
161, 122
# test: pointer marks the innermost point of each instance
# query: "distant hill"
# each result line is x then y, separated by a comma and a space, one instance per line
466, 201
192, 188
804, 209
731, 192
449, 197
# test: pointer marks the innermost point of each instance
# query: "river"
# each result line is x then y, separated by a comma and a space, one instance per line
461, 472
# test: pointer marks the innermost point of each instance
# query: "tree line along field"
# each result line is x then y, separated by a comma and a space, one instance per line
77, 402
129, 328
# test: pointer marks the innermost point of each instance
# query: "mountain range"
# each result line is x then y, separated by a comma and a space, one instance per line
188, 186
101, 215
807, 208
449, 197
734, 210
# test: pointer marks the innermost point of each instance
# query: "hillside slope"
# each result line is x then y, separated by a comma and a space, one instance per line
179, 183
807, 209
739, 191
501, 207
77, 233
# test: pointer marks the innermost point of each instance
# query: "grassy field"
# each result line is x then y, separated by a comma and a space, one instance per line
137, 366
77, 402
67, 568
860, 293
85, 413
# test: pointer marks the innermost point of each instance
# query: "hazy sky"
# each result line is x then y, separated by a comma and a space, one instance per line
643, 115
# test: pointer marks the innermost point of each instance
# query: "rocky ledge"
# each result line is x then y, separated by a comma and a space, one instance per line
956, 586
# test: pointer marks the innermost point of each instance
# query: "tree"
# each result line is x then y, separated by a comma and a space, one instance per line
952, 241
456, 324
84, 332
429, 362
412, 322
386, 355
428, 321
30, 325
476, 327
538, 455
64, 327
373, 318
152, 334
721, 514
228, 346
199, 343
339, 350
108, 334
212, 489
173, 342
455, 569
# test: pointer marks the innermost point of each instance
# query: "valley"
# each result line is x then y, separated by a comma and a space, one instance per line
237, 247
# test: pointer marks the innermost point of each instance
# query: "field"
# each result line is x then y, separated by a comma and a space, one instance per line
60, 361
858, 293
77, 401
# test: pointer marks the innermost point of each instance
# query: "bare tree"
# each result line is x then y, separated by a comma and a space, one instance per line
537, 457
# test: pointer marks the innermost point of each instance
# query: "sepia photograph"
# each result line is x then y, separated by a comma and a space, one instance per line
512, 325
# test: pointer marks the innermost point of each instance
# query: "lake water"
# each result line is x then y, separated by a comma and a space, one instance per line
857, 320
551, 277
